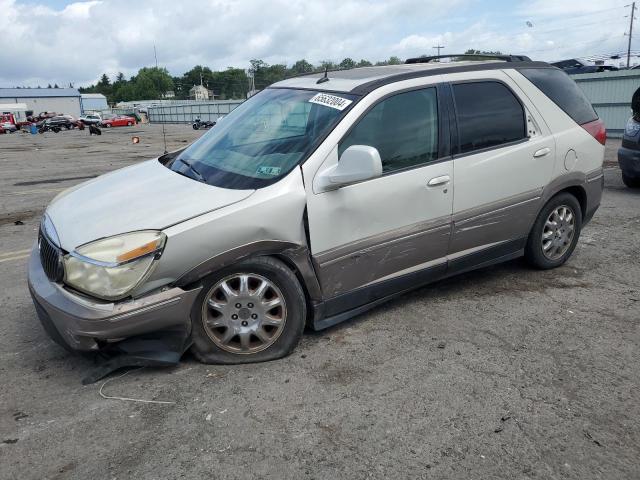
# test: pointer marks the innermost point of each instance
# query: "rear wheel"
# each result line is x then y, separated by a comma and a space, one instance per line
250, 312
631, 182
555, 232
129, 124
108, 125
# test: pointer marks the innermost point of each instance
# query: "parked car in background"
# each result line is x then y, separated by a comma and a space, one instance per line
575, 66
8, 127
629, 152
118, 121
91, 119
60, 121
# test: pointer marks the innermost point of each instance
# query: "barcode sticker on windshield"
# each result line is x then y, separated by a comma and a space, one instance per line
332, 101
270, 171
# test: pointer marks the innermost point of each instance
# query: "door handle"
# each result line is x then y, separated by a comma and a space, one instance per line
542, 152
441, 180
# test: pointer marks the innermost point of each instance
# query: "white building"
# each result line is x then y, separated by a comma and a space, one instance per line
200, 92
38, 100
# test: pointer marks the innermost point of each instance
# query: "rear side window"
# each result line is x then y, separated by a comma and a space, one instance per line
564, 92
488, 115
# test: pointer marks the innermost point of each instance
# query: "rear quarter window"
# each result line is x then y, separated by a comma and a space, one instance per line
563, 91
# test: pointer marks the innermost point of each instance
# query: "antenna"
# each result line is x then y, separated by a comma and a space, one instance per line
164, 135
326, 76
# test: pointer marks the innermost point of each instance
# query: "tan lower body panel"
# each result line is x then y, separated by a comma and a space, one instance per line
351, 266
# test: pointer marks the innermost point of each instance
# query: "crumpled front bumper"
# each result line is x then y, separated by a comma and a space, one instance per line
80, 323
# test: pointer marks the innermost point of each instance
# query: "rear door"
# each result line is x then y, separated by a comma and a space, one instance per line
505, 156
374, 232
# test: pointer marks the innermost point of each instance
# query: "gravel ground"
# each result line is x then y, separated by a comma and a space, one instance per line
505, 372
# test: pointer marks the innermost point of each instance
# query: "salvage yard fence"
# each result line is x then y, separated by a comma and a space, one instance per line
609, 92
188, 112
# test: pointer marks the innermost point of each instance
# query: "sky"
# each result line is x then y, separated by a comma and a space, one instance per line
60, 41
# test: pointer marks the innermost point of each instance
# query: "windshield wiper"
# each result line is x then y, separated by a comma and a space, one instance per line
193, 169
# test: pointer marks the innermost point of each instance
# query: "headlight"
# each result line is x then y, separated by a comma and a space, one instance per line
112, 267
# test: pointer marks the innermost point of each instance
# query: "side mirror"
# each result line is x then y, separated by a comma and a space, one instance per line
357, 163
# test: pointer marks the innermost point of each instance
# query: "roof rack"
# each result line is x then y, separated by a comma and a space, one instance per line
488, 56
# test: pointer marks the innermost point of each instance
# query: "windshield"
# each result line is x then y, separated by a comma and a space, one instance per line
263, 139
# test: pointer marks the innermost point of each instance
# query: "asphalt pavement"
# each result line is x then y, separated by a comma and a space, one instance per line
505, 372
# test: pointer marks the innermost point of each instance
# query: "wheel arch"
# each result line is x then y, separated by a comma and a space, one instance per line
574, 184
580, 194
295, 257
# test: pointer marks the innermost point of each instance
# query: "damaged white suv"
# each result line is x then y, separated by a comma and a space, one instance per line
318, 198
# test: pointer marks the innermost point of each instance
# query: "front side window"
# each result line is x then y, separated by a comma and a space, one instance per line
404, 129
488, 114
263, 139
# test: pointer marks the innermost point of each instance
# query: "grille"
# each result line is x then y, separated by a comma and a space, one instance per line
51, 258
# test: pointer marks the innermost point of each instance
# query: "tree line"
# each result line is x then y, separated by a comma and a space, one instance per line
152, 83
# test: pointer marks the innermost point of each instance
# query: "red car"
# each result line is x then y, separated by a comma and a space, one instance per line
119, 121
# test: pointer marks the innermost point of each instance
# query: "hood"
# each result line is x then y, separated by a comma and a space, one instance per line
146, 196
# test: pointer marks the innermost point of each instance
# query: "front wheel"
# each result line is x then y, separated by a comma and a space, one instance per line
195, 126
254, 311
555, 232
631, 182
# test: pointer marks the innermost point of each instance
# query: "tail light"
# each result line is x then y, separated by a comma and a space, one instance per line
596, 130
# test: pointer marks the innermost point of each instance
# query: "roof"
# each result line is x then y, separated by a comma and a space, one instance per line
365, 79
38, 92
97, 96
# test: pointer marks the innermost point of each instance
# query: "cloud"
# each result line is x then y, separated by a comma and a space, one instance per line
79, 42
84, 39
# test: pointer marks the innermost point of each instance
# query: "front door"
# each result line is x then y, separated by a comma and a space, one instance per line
374, 232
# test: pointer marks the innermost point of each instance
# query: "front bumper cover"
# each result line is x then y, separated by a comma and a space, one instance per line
80, 323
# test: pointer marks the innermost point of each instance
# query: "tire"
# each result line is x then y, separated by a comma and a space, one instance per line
108, 125
195, 127
631, 182
220, 338
129, 124
561, 239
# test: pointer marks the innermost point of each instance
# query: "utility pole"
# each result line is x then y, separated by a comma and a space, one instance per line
440, 47
631, 18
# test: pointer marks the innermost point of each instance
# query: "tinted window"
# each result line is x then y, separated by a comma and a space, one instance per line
559, 87
488, 115
404, 129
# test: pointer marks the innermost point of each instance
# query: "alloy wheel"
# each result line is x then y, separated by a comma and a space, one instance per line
244, 313
558, 232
